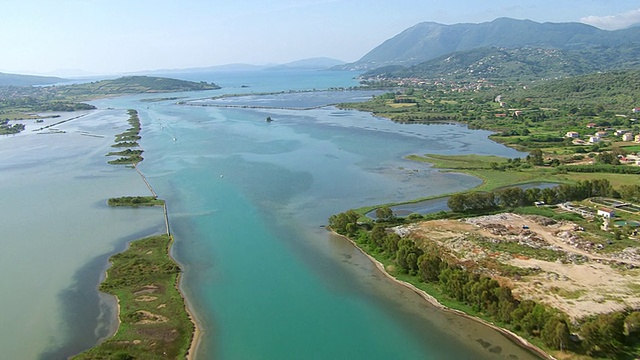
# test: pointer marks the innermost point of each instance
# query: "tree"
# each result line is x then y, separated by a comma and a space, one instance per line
510, 197
632, 324
532, 195
430, 265
630, 192
391, 243
555, 334
345, 223
548, 195
535, 157
457, 202
378, 234
384, 213
604, 334
606, 157
407, 256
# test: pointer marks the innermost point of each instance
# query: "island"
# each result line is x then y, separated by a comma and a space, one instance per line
20, 103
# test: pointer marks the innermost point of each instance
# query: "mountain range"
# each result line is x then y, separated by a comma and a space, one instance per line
319, 63
429, 40
500, 49
521, 64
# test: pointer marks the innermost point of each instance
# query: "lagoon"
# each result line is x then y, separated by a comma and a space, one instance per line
247, 201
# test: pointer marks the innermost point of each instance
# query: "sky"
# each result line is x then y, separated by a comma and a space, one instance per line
74, 37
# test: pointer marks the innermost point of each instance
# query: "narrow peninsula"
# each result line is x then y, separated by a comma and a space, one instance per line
154, 322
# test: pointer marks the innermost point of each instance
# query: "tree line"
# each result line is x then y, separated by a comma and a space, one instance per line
515, 196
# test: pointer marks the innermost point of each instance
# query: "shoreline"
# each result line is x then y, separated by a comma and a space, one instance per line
197, 331
196, 336
517, 339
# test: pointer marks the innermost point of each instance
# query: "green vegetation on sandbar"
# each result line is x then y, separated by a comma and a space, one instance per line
125, 144
154, 323
133, 159
127, 152
6, 129
135, 201
128, 139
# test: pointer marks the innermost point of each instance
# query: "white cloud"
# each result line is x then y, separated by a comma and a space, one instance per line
614, 22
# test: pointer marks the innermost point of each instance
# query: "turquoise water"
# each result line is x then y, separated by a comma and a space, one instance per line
247, 201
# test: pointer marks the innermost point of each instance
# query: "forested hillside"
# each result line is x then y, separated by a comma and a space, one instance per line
517, 64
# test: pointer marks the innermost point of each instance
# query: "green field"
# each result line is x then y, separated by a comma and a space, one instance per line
478, 165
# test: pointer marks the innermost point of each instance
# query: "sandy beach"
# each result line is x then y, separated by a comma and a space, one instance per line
197, 332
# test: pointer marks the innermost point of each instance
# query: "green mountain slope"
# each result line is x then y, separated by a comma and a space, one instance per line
426, 41
526, 63
613, 90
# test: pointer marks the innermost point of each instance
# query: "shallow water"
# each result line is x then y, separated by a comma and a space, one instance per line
247, 200
57, 233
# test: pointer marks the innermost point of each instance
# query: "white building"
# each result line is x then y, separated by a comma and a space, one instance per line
572, 134
606, 213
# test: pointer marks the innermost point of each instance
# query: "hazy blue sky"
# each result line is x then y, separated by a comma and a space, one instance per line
111, 36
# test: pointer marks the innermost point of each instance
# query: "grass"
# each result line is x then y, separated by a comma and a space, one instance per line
616, 180
154, 321
548, 212
566, 294
459, 161
480, 166
516, 249
401, 105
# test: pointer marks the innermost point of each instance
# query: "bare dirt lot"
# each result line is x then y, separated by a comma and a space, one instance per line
559, 268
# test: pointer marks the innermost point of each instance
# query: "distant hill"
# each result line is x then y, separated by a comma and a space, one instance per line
19, 102
429, 40
134, 85
319, 63
526, 63
27, 80
226, 67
